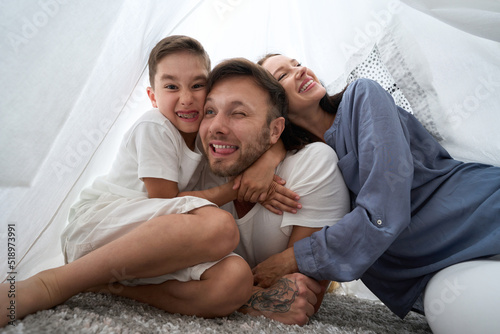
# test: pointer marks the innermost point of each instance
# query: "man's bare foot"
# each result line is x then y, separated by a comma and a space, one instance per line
39, 292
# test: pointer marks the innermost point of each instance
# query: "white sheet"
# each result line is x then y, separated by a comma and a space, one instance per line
74, 78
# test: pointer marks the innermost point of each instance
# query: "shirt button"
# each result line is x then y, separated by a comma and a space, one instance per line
379, 222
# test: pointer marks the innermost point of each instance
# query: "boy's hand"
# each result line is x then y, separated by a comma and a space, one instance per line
253, 184
253, 187
276, 198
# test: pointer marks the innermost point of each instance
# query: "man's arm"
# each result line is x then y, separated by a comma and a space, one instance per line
292, 297
291, 300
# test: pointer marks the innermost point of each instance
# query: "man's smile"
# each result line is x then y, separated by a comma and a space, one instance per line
222, 149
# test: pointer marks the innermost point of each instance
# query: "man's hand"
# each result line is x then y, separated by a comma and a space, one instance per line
269, 271
291, 300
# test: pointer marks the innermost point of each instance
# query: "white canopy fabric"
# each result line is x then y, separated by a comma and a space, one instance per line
74, 78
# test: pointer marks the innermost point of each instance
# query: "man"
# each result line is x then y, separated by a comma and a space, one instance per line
244, 116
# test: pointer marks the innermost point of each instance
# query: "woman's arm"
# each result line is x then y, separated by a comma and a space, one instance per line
378, 167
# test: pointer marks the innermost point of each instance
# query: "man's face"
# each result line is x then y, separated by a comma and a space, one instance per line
234, 130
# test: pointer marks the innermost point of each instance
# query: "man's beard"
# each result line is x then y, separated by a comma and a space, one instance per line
251, 154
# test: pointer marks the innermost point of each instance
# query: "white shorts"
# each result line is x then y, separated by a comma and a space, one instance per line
184, 275
99, 222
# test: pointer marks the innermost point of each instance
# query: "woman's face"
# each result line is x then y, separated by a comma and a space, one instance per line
301, 85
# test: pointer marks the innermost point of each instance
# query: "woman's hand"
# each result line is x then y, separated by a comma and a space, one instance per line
279, 198
276, 266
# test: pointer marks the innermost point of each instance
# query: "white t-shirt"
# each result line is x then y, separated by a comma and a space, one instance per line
118, 202
153, 147
313, 174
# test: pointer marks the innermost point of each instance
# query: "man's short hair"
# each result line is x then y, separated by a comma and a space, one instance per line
237, 67
173, 44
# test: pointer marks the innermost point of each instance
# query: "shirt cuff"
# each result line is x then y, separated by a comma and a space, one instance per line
305, 259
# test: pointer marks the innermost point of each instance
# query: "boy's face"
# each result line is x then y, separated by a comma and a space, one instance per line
180, 90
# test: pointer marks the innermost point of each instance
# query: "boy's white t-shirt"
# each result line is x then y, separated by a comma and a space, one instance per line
154, 148
118, 202
314, 175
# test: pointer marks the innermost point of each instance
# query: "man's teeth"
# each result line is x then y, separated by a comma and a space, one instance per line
219, 147
306, 85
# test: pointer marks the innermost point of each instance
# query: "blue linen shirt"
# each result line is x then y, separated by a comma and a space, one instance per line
415, 210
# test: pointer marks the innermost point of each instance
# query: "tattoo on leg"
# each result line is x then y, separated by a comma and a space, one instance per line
277, 298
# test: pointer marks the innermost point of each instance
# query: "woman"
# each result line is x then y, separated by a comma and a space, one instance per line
415, 210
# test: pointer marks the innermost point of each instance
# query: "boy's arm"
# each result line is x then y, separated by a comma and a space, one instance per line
279, 197
161, 188
219, 195
253, 184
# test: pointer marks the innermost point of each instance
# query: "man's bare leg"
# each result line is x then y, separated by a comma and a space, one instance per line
160, 246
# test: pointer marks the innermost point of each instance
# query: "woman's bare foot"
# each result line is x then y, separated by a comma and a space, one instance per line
39, 292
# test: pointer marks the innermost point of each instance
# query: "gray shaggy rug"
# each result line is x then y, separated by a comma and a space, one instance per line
99, 313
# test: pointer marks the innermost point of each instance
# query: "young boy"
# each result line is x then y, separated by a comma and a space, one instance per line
138, 225
157, 159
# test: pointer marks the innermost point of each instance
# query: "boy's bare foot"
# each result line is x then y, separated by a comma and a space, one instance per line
39, 292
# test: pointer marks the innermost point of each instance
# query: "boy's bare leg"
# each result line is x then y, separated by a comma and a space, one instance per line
221, 290
160, 246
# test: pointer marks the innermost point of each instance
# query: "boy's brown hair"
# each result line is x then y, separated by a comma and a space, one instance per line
170, 45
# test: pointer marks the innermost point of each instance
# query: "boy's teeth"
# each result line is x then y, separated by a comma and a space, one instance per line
190, 115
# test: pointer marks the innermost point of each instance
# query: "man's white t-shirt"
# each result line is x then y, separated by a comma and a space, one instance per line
313, 174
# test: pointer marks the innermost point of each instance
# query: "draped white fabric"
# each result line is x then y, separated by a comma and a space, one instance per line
74, 75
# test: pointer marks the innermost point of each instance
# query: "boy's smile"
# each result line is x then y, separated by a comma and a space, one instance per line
189, 115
